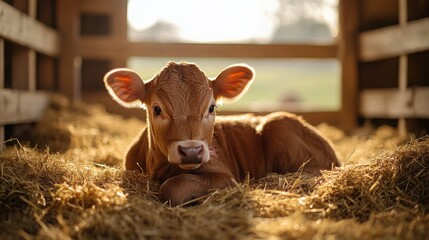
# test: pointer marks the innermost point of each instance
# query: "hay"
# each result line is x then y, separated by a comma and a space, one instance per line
68, 183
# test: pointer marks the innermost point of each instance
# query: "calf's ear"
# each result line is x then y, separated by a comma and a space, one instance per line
232, 82
126, 87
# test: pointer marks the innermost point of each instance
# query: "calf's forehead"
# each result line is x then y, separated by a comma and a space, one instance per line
176, 75
182, 86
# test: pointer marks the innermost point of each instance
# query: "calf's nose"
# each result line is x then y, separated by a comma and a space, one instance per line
191, 155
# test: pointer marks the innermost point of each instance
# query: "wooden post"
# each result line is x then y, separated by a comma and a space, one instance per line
119, 27
2, 63
403, 66
2, 134
32, 12
69, 60
119, 20
24, 59
2, 138
46, 77
348, 19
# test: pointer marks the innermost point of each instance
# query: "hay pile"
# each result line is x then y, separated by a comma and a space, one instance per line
76, 189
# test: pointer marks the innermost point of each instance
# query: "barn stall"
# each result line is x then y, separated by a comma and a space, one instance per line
62, 152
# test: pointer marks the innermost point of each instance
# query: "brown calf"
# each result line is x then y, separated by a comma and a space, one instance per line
190, 153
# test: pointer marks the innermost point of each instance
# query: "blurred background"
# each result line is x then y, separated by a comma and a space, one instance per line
295, 85
348, 63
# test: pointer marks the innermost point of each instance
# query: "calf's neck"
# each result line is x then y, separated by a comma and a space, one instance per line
189, 152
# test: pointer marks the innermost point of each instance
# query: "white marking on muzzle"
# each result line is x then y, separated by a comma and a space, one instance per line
176, 154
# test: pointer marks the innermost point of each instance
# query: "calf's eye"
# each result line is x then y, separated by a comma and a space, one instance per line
156, 111
212, 108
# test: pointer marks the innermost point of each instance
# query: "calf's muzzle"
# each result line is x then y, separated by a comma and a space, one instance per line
191, 155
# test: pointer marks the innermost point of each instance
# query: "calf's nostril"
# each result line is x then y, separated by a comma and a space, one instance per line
190, 154
182, 151
185, 151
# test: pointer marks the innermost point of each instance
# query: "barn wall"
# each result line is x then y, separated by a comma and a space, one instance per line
29, 47
393, 76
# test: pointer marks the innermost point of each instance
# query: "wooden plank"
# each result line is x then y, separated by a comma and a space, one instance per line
402, 12
26, 31
393, 103
119, 21
403, 65
97, 48
394, 41
348, 14
32, 12
2, 138
2, 63
32, 8
69, 59
2, 133
402, 87
21, 106
403, 60
402, 72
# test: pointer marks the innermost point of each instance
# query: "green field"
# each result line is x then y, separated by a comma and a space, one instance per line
313, 85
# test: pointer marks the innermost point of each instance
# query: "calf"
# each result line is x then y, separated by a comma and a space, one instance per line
190, 153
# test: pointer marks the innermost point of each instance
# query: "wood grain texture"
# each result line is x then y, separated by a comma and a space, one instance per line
110, 48
21, 106
394, 103
24, 30
348, 14
69, 60
394, 41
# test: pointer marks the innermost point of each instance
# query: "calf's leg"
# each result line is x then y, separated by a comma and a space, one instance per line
182, 188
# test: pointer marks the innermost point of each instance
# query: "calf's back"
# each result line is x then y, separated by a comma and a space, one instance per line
280, 142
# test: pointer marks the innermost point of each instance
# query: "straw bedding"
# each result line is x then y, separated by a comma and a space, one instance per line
66, 181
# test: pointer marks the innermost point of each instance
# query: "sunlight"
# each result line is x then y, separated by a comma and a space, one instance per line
143, 14
208, 21
221, 21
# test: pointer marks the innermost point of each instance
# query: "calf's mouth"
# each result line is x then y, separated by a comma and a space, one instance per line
189, 166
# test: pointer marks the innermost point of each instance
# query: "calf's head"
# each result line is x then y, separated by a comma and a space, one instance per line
181, 106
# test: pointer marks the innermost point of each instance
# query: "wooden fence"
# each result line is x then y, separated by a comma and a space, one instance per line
394, 62
27, 51
66, 45
38, 56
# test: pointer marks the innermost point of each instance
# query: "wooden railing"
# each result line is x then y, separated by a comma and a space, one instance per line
22, 37
404, 101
